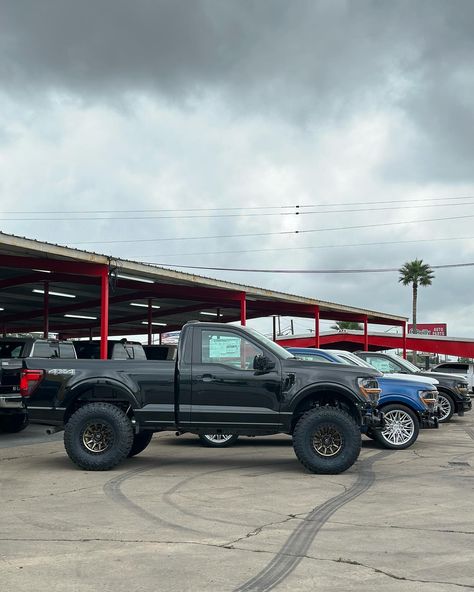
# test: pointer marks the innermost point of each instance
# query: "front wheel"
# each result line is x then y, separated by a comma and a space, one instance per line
447, 407
98, 436
326, 440
218, 440
401, 428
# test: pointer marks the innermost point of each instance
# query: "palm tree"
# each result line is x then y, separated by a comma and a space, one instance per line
416, 273
346, 326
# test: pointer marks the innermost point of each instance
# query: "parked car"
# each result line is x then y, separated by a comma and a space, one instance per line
407, 403
225, 378
13, 416
464, 369
453, 389
116, 350
161, 352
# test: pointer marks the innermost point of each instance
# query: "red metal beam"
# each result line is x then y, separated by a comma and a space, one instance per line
243, 309
404, 341
104, 314
366, 334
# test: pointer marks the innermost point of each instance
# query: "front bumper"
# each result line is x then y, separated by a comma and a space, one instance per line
11, 402
373, 418
464, 405
429, 420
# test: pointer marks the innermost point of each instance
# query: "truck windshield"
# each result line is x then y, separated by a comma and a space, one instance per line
351, 359
406, 364
271, 345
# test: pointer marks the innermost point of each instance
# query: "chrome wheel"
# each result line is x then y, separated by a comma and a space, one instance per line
399, 427
445, 408
328, 441
97, 437
219, 438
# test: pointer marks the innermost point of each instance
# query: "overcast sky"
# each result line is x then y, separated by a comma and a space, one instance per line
171, 105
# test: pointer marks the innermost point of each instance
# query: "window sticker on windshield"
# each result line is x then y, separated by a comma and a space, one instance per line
223, 346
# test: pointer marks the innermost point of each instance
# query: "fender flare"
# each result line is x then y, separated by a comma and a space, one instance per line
315, 388
82, 387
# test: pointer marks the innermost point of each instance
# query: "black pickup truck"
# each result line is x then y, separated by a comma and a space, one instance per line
225, 378
13, 350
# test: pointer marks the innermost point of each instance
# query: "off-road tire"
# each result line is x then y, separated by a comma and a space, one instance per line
345, 433
411, 425
209, 443
117, 427
140, 442
13, 423
447, 400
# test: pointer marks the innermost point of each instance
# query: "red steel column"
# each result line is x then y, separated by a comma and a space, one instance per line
46, 311
404, 340
150, 318
366, 334
316, 326
104, 313
243, 309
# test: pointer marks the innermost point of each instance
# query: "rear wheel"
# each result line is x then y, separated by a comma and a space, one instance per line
401, 428
218, 440
326, 440
447, 407
14, 422
140, 442
98, 436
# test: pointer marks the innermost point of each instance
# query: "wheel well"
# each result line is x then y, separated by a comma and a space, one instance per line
326, 398
99, 394
446, 391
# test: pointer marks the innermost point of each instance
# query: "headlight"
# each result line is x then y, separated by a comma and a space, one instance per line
462, 388
369, 387
429, 398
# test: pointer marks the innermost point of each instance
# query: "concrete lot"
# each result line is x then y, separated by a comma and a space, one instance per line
182, 517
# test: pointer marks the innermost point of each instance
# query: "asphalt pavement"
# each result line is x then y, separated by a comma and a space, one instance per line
180, 517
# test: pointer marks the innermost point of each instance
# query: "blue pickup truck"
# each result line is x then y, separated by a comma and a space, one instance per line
408, 404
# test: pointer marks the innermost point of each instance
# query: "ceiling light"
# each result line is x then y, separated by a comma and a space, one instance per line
2, 309
73, 316
209, 314
160, 324
144, 305
134, 278
42, 270
55, 293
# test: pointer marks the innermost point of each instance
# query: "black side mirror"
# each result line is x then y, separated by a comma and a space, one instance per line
263, 364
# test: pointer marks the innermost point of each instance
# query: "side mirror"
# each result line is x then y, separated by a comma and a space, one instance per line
263, 364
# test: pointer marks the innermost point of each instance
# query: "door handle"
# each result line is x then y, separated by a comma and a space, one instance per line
208, 378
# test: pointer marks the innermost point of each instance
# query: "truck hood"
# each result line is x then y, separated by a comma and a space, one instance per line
413, 377
444, 376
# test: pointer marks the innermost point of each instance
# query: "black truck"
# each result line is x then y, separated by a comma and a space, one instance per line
13, 350
225, 378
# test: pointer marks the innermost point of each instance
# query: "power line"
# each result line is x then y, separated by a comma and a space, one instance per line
279, 233
239, 252
244, 215
311, 271
297, 206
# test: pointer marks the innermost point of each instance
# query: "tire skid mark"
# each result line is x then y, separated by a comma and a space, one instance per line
112, 489
298, 543
167, 496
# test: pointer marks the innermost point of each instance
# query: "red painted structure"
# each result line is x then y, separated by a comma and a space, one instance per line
100, 298
357, 340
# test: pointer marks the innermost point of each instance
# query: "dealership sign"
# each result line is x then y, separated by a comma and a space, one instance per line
440, 329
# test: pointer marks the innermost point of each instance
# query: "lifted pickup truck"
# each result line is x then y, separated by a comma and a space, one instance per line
226, 378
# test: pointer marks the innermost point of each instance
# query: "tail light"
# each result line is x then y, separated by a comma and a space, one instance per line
29, 380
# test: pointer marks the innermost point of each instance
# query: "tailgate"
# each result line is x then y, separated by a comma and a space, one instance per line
10, 376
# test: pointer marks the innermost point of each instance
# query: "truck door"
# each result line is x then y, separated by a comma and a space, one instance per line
226, 391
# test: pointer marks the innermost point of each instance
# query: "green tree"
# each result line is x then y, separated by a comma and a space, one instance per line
417, 274
347, 326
